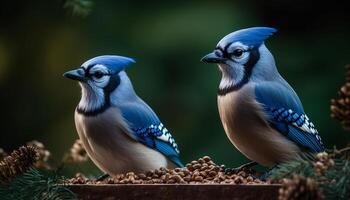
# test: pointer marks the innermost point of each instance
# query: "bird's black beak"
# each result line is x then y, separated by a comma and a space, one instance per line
76, 74
213, 58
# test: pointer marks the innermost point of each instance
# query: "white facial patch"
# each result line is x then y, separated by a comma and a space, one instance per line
232, 73
233, 70
92, 97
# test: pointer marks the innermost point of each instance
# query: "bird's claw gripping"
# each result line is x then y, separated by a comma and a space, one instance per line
102, 177
244, 167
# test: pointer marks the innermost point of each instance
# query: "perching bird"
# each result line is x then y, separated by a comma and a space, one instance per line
120, 132
260, 112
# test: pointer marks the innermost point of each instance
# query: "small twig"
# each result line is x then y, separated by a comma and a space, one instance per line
344, 149
341, 151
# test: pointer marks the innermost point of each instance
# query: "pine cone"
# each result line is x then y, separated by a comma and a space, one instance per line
299, 188
77, 153
340, 108
44, 154
323, 162
19, 162
3, 154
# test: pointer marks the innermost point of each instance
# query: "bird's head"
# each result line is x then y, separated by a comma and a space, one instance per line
239, 54
98, 78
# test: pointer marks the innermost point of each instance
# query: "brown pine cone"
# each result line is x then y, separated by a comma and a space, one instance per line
3, 154
299, 188
44, 154
323, 162
340, 107
77, 153
19, 162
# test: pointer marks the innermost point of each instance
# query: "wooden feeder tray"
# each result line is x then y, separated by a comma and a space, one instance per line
174, 191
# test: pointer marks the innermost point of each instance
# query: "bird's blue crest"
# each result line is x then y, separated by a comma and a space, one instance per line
114, 63
254, 36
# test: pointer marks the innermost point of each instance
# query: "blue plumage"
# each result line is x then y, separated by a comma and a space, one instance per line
169, 151
262, 115
300, 128
250, 36
278, 95
120, 132
148, 130
114, 63
286, 114
144, 123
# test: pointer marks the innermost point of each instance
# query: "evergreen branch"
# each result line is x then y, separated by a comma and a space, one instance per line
36, 185
303, 165
331, 171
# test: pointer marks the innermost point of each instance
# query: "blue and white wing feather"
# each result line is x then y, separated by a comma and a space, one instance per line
286, 114
147, 129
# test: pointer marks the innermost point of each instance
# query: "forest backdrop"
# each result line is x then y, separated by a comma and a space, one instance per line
39, 41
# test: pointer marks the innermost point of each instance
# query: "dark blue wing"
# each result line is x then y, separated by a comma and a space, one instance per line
286, 114
147, 129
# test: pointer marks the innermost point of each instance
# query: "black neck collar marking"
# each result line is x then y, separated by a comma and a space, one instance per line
114, 82
248, 68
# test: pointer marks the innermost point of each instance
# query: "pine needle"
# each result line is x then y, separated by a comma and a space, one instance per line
334, 181
36, 185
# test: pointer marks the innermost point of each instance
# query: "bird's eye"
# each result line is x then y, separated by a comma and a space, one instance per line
98, 74
238, 53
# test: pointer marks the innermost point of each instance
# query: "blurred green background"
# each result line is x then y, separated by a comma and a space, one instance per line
40, 40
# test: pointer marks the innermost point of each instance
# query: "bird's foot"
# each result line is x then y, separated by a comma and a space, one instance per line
102, 177
245, 167
268, 173
264, 176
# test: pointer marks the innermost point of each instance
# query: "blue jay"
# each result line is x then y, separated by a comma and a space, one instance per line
119, 131
260, 112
